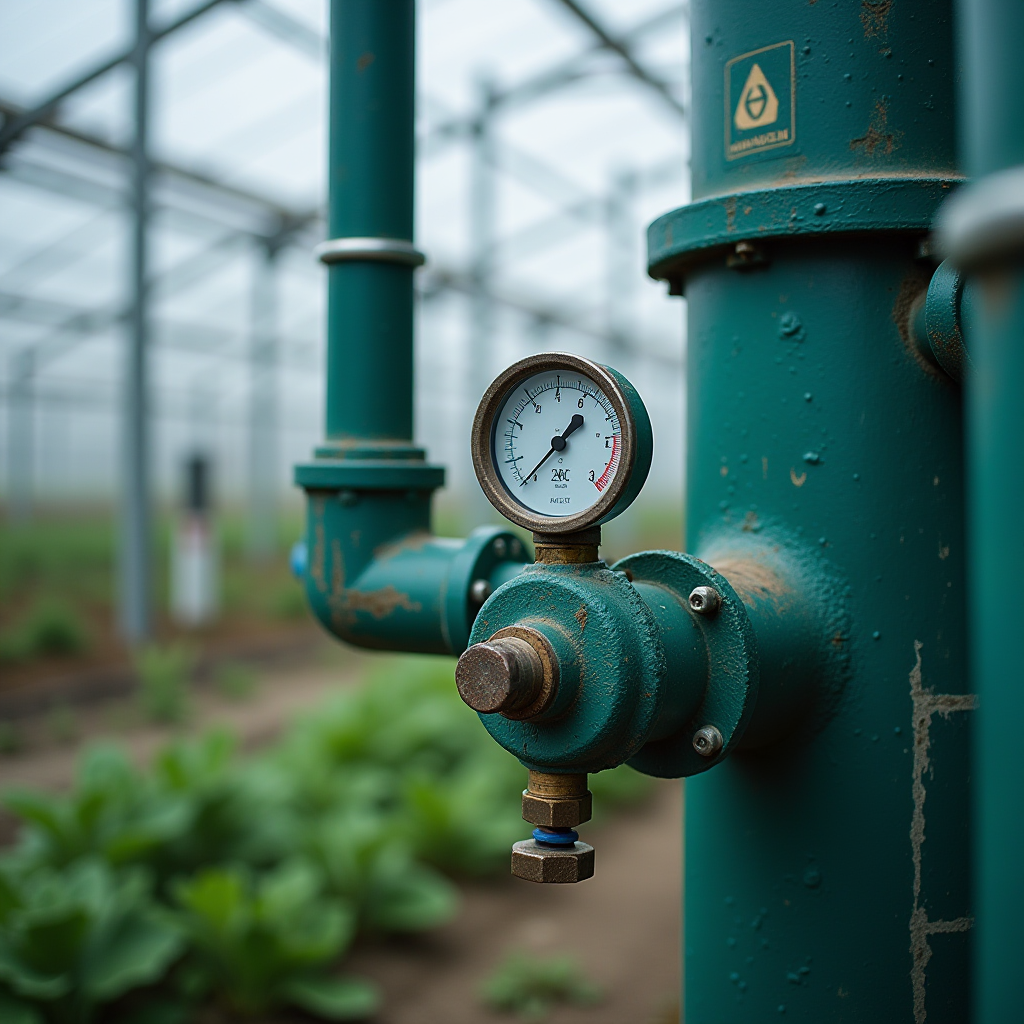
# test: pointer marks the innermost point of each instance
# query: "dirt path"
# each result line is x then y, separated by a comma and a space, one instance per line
622, 926
280, 693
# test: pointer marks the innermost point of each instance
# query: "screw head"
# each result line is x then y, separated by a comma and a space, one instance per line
705, 600
479, 591
500, 547
707, 741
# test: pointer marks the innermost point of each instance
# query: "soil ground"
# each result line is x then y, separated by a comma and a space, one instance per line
622, 925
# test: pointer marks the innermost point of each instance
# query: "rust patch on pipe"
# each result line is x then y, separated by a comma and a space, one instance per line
380, 603
317, 563
878, 134
925, 704
874, 17
754, 581
581, 616
912, 288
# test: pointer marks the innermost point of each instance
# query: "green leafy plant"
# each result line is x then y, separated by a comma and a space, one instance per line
268, 865
11, 739
75, 940
532, 986
236, 681
262, 943
51, 627
164, 675
364, 862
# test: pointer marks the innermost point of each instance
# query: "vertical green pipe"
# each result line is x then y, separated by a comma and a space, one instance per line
369, 323
827, 876
992, 39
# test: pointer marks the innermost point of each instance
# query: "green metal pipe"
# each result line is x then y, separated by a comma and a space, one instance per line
984, 236
375, 575
370, 178
827, 873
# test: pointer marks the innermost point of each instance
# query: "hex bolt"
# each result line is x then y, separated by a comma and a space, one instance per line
479, 591
502, 675
705, 600
707, 741
500, 547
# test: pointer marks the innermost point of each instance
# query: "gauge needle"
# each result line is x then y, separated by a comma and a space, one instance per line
557, 444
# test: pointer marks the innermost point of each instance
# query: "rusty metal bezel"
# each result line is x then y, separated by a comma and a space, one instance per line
482, 447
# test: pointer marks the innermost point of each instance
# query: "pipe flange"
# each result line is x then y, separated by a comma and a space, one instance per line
733, 672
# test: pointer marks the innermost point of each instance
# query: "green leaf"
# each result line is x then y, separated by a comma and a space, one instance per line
415, 901
333, 998
136, 955
14, 1011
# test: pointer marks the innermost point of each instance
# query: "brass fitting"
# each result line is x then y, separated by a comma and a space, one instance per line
567, 548
557, 801
536, 864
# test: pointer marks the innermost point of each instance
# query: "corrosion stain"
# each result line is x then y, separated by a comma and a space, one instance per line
912, 288
926, 704
365, 60
730, 214
380, 603
754, 581
874, 17
317, 563
581, 617
878, 136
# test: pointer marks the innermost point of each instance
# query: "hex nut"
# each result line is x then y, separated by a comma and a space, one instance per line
558, 812
535, 863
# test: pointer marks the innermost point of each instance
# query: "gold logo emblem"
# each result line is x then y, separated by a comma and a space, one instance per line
758, 105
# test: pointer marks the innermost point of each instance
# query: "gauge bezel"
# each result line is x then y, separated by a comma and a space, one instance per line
632, 470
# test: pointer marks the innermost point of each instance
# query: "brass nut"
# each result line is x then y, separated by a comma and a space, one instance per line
557, 813
535, 863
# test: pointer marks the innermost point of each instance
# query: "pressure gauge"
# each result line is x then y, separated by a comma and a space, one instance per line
561, 443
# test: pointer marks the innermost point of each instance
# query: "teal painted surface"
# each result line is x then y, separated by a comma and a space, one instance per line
375, 574
810, 416
871, 86
991, 37
377, 578
824, 208
642, 673
644, 446
827, 874
996, 446
370, 180
612, 661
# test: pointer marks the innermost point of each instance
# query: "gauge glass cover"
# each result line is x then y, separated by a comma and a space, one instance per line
557, 443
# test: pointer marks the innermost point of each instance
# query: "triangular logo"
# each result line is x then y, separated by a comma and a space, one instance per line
758, 105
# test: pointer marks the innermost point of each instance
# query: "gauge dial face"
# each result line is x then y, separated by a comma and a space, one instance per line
557, 443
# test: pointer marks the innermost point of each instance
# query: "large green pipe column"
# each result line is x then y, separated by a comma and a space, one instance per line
826, 876
984, 234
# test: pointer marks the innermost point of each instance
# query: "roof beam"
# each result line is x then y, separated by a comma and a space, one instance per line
625, 51
14, 127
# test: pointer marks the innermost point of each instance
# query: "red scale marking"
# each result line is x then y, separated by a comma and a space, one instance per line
613, 463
